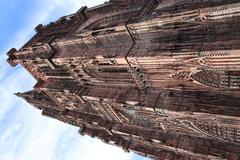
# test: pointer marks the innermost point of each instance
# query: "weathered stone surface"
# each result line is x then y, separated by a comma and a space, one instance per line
160, 78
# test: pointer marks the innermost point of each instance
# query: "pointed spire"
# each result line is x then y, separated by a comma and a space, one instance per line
26, 95
17, 94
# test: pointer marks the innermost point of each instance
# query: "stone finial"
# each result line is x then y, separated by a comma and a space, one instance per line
12, 57
39, 28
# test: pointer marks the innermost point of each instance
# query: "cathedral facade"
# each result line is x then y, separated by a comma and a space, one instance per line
160, 78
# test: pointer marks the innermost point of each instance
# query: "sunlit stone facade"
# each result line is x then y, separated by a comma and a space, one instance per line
160, 78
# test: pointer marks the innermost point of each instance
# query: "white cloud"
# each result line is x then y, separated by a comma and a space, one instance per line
91, 149
31, 137
13, 81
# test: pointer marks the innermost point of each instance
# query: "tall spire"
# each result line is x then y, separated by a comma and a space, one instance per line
26, 95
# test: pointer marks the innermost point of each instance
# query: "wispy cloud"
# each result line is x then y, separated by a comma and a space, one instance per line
11, 82
25, 134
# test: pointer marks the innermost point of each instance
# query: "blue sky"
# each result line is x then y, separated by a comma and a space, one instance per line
24, 133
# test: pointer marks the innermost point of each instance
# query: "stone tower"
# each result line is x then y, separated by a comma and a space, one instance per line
157, 77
